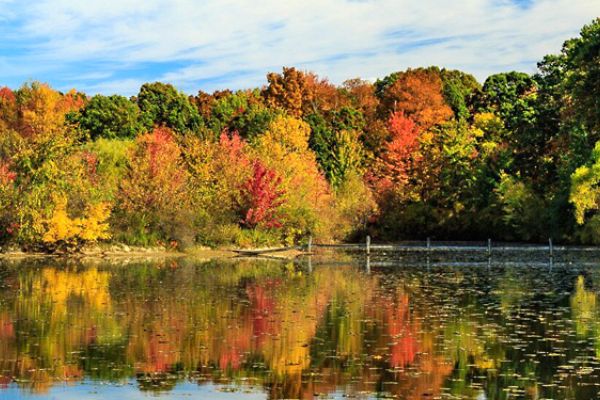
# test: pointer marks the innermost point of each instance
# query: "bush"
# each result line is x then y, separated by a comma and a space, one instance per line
61, 232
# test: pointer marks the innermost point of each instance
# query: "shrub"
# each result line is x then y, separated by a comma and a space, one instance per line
61, 232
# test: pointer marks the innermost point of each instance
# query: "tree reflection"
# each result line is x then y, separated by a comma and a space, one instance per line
410, 333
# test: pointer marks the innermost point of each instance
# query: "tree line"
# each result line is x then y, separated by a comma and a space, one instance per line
420, 152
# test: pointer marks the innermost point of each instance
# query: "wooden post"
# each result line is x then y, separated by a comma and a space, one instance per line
428, 245
489, 247
550, 247
309, 246
368, 244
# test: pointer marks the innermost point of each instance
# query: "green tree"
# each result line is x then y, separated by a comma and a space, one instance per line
110, 117
582, 59
161, 104
569, 89
510, 95
459, 88
522, 210
347, 118
243, 112
338, 149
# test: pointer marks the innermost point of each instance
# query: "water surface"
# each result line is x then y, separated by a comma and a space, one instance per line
330, 327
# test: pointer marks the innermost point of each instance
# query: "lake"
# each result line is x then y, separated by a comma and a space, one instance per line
330, 326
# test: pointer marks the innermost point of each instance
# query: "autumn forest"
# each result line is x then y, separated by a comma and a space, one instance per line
423, 152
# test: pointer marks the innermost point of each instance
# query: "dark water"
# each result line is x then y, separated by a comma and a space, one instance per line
261, 329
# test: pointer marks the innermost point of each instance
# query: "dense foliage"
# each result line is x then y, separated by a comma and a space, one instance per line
421, 152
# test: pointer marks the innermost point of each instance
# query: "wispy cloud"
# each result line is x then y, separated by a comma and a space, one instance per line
114, 45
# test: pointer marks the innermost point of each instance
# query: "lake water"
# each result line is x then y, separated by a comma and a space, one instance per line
332, 326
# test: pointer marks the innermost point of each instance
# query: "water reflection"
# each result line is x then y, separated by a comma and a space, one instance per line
284, 330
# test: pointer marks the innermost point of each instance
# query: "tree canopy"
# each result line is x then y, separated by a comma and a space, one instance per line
419, 152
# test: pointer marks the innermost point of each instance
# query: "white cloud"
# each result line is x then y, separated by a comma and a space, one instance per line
233, 43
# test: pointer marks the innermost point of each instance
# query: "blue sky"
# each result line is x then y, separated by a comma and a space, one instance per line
113, 46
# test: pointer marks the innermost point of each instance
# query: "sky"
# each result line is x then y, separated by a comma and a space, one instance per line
114, 46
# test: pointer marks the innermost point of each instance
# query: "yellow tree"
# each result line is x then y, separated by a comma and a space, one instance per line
42, 110
284, 149
40, 146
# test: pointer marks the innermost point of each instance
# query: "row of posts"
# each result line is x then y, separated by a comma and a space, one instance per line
368, 250
489, 246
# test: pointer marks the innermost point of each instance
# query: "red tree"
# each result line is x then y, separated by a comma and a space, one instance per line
7, 95
404, 135
400, 152
262, 196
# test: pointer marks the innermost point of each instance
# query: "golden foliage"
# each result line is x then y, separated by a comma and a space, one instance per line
289, 133
43, 110
94, 226
62, 228
288, 91
284, 148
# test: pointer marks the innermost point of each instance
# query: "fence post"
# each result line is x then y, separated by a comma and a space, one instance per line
550, 247
489, 247
368, 244
309, 246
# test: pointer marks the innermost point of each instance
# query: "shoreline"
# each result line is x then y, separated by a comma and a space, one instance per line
124, 252
121, 251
